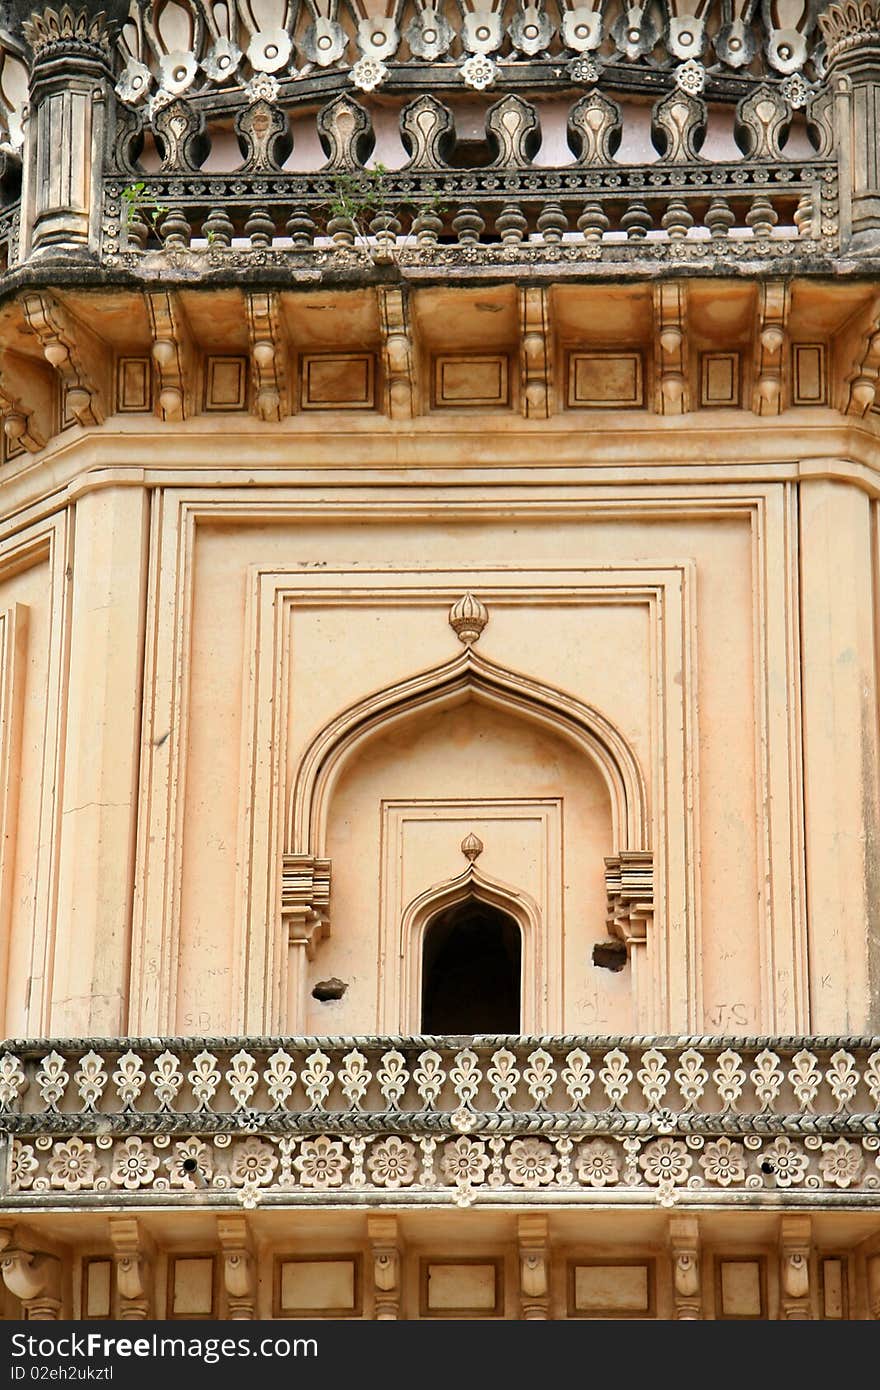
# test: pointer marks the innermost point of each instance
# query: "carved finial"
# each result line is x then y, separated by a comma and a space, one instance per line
472, 847
467, 618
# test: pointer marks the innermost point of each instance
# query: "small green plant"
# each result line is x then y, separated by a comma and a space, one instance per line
359, 199
136, 203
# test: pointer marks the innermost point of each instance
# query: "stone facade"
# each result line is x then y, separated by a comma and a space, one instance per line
438, 516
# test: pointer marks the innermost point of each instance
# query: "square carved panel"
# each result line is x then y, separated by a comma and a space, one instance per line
134, 385
450, 1288
740, 1288
339, 381
611, 1289
598, 379
808, 374
462, 380
317, 1286
192, 1286
226, 381
719, 379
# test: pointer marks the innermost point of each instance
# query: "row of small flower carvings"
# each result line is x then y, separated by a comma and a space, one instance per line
369, 1078
248, 1167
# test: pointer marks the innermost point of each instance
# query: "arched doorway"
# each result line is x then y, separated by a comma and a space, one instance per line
472, 970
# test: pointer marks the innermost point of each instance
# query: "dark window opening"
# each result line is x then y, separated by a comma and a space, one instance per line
471, 967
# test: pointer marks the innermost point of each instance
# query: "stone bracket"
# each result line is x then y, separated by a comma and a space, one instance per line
239, 1267
270, 370
684, 1247
133, 1252
535, 353
629, 884
774, 302
671, 349
387, 1251
16, 383
173, 355
305, 899
398, 354
75, 352
534, 1266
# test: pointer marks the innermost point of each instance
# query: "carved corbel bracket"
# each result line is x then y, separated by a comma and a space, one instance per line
534, 1266
18, 418
239, 1267
133, 1258
535, 353
795, 1238
629, 884
671, 353
269, 356
173, 355
78, 356
684, 1246
861, 390
771, 334
305, 900
398, 354
32, 1276
387, 1252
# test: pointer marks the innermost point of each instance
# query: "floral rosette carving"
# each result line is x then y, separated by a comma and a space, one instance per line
22, 1167
393, 1163
189, 1152
465, 1161
134, 1165
321, 1163
72, 1165
253, 1163
786, 1162
841, 1163
666, 1162
598, 1164
723, 1162
531, 1163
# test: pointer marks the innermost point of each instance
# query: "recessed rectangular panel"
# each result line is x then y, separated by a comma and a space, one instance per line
338, 381
615, 1290
192, 1280
226, 383
134, 385
461, 1288
325, 1287
834, 1289
97, 1288
465, 380
719, 379
809, 374
602, 379
741, 1289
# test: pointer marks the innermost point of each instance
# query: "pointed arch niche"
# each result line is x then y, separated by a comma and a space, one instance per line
513, 700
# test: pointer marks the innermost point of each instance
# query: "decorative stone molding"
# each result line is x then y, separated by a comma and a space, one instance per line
302, 1120
849, 30
387, 1251
132, 1256
70, 27
305, 905
684, 1248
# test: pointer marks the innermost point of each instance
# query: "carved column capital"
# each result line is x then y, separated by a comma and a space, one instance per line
34, 1277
